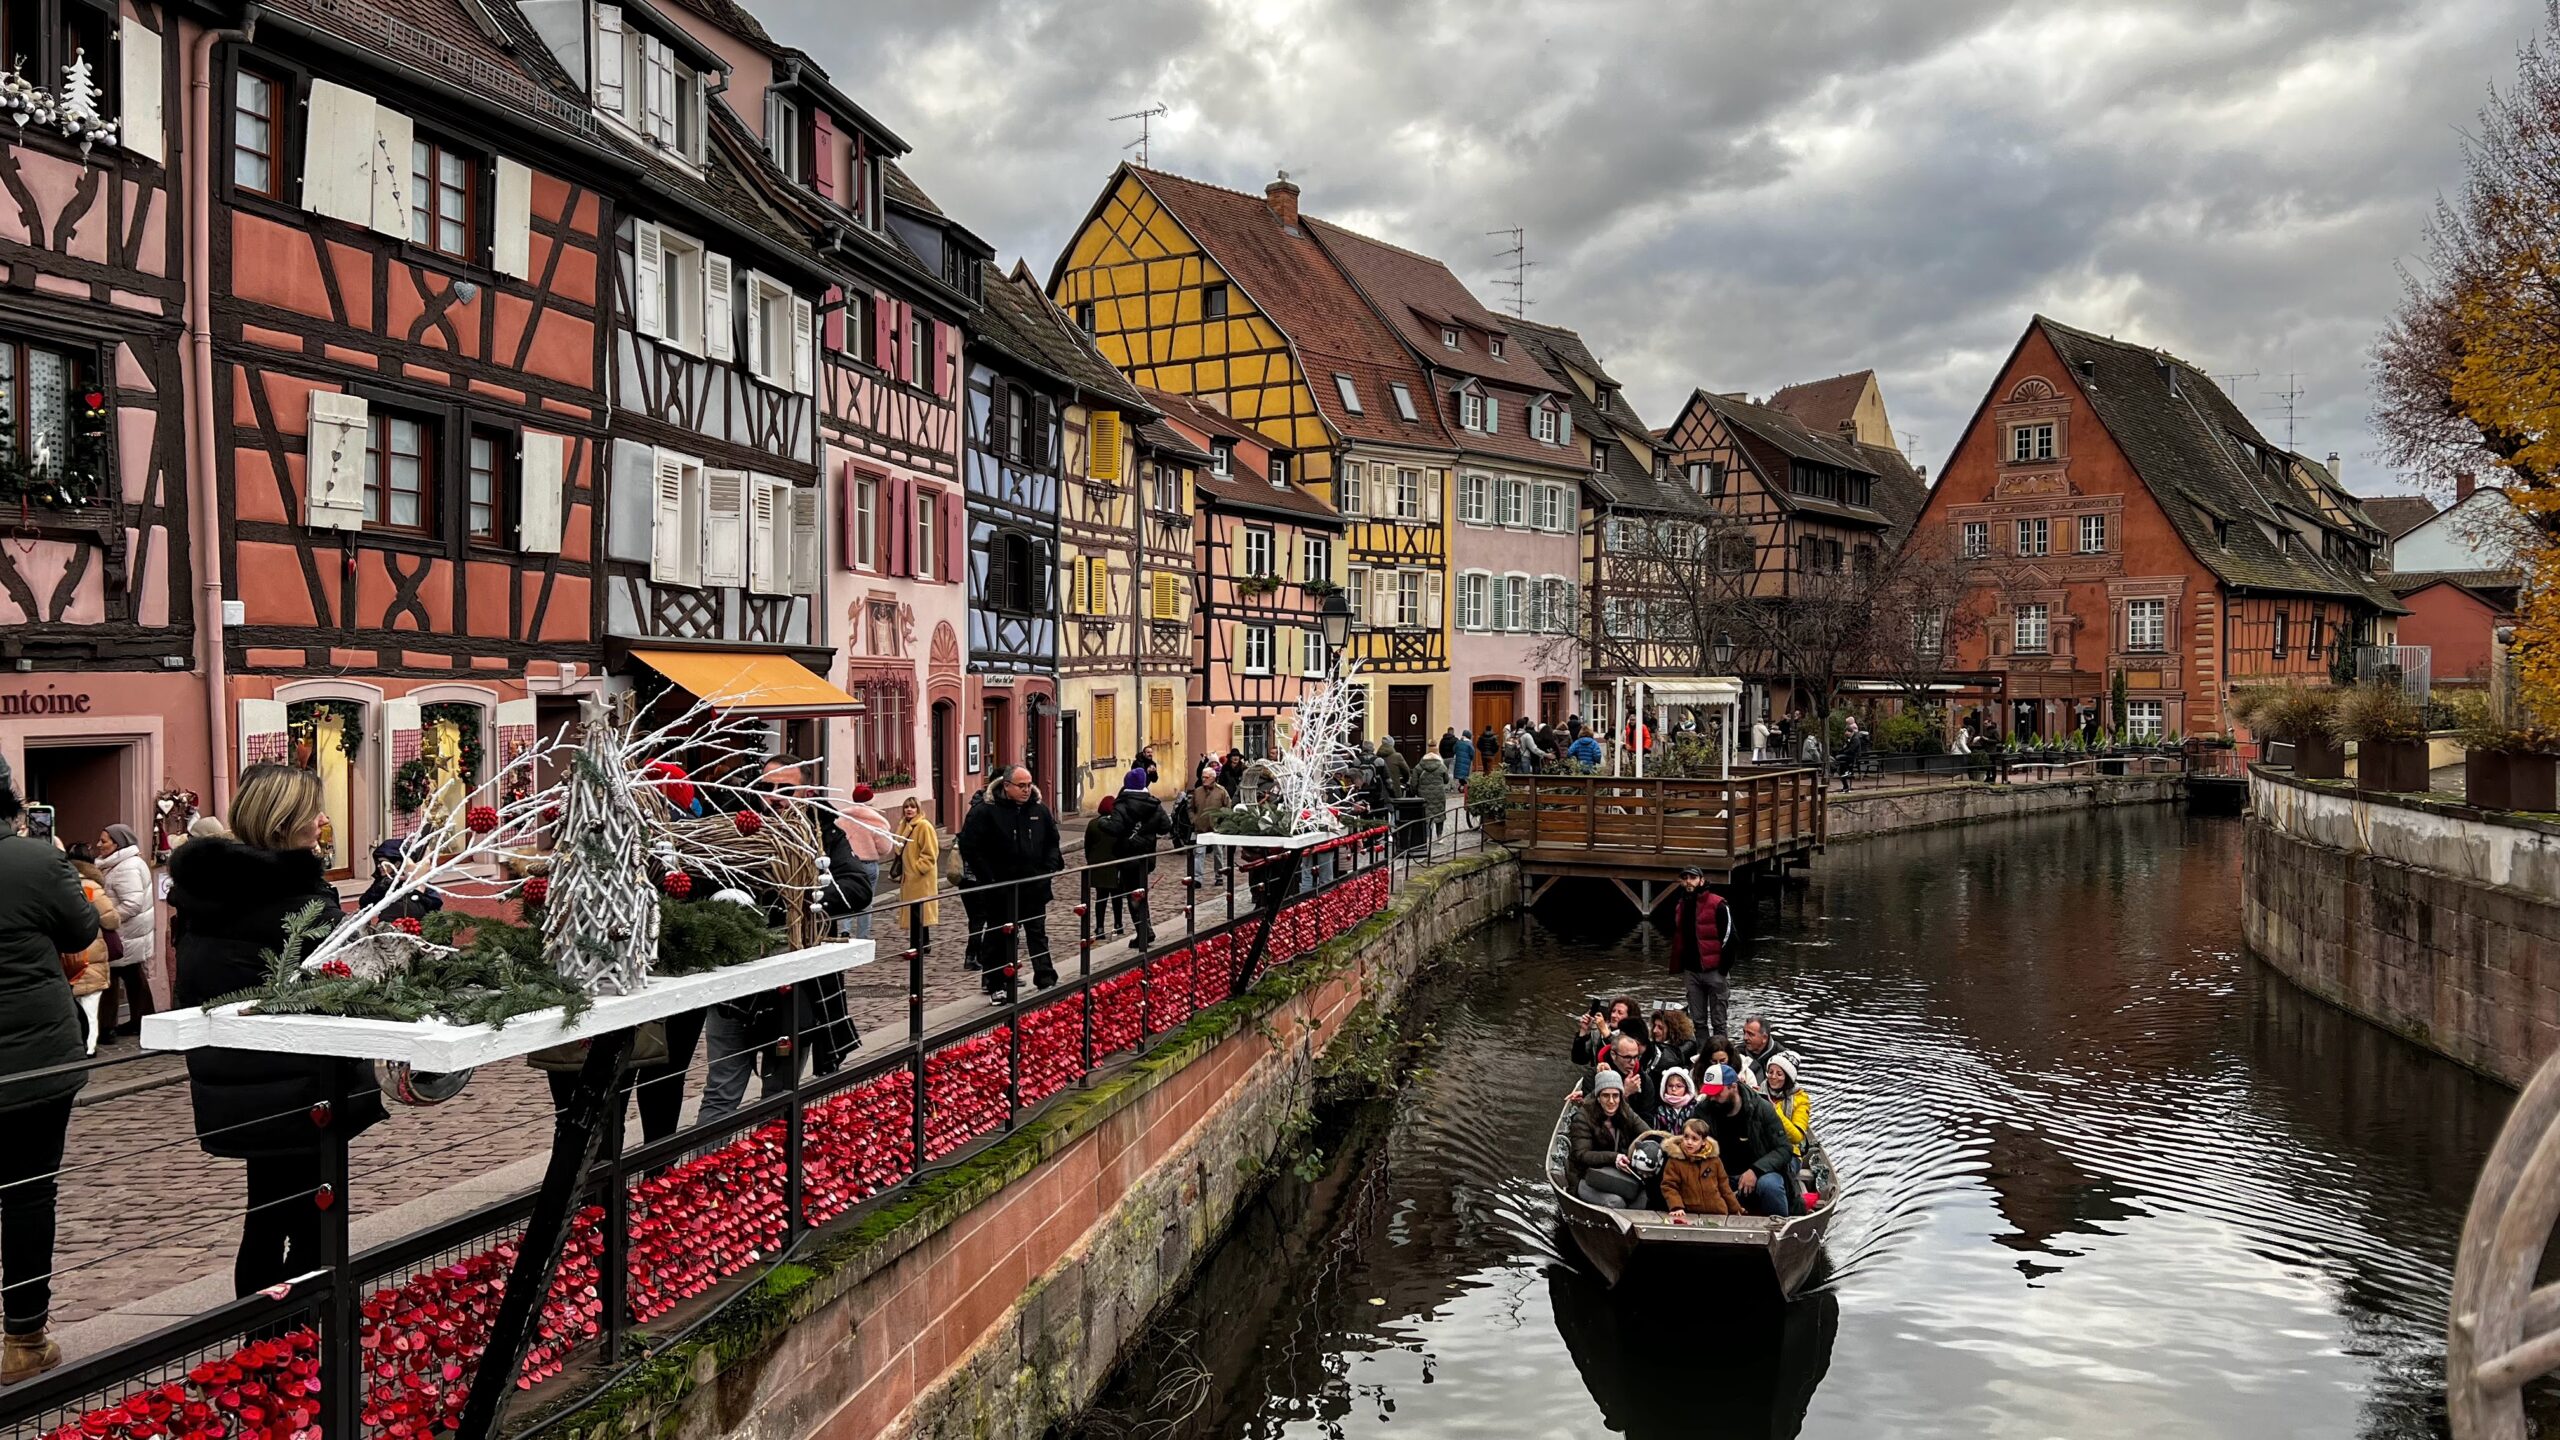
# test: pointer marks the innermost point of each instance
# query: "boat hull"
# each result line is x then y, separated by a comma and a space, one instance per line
1619, 1243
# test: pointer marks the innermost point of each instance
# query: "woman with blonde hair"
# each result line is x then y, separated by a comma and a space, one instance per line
919, 867
233, 899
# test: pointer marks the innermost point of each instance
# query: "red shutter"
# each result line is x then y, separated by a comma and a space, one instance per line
893, 504
822, 153
883, 323
941, 378
849, 516
835, 320
955, 542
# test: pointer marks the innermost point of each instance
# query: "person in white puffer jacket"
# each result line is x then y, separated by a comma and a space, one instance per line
128, 877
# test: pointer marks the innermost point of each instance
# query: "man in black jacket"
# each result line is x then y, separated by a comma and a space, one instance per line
1138, 821
1757, 1151
1011, 846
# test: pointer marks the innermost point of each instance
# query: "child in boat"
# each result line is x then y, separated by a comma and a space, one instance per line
1675, 1102
1693, 1178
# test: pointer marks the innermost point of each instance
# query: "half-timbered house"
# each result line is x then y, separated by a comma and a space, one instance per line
1627, 485
1269, 553
102, 700
1516, 501
405, 305
2129, 520
1016, 404
1163, 490
1229, 297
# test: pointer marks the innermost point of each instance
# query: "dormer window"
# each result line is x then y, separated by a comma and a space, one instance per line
1279, 472
782, 136
1493, 346
640, 80
1222, 457
1470, 410
1084, 317
1544, 424
1449, 336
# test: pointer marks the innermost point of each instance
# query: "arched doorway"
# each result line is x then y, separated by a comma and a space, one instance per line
946, 764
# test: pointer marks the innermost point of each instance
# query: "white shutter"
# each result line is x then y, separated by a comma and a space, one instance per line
511, 227
139, 124
1382, 597
719, 305
658, 90
609, 52
648, 282
400, 718
333, 461
724, 527
1431, 599
1433, 482
393, 134
804, 321
541, 474
264, 732
675, 554
337, 152
808, 546
755, 327
764, 560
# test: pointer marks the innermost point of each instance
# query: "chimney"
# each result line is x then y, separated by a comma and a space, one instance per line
1282, 196
2462, 484
2335, 471
1849, 428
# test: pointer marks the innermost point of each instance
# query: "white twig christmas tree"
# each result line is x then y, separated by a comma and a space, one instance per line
1319, 749
600, 920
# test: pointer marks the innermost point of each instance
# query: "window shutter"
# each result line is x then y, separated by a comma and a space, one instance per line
1431, 599
822, 153
1043, 415
140, 127
337, 152
392, 136
1492, 416
649, 265
608, 45
1168, 596
897, 550
265, 732
541, 475
884, 332
943, 335
835, 323
1382, 597
804, 356
755, 328
724, 527
1076, 598
1102, 437
675, 551
766, 557
849, 516
1433, 482
999, 416
511, 221
808, 551
333, 461
955, 540
719, 310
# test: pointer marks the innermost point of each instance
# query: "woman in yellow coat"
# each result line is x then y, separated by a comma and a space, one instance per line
1779, 1081
919, 872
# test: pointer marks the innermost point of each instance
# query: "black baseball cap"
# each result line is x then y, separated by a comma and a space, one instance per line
1688, 870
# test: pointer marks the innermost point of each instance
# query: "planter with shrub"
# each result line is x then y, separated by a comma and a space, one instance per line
2296, 715
2389, 728
2505, 765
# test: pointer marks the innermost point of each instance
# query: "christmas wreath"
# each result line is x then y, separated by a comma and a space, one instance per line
303, 717
411, 784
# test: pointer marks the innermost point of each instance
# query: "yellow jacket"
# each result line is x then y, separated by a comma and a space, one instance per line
920, 850
1796, 1113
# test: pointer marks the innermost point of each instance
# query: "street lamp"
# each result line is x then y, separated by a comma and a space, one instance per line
1336, 622
1724, 651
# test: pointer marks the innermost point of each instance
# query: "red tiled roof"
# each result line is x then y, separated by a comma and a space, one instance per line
1291, 280
1824, 404
1515, 440
1201, 425
1417, 296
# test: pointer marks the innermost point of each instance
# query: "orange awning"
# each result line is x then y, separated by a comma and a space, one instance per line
750, 684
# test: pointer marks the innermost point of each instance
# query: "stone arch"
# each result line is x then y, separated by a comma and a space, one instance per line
2034, 387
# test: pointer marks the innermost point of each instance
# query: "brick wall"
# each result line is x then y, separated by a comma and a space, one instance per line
2424, 918
1860, 815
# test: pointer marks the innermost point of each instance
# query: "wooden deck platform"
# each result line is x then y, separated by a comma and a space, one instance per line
1639, 834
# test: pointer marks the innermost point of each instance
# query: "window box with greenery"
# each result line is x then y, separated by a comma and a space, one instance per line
2507, 763
2389, 728
1319, 588
2295, 715
53, 428
1256, 586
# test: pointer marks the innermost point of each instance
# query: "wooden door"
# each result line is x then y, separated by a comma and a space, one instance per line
1408, 718
1496, 708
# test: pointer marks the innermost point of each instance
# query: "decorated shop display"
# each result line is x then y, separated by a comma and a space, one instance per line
1307, 793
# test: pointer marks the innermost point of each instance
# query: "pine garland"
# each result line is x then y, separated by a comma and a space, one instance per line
497, 976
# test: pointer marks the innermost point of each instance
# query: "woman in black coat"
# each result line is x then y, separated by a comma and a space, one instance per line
233, 898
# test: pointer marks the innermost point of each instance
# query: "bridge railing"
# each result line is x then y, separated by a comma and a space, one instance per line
1756, 814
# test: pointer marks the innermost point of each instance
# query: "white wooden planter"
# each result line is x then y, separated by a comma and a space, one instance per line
434, 1045
1264, 842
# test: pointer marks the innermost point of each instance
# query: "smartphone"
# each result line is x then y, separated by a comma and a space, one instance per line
1596, 1006
40, 822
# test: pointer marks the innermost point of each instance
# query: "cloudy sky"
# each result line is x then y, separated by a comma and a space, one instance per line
1743, 193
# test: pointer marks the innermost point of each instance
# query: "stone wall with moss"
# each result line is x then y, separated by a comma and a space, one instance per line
993, 1299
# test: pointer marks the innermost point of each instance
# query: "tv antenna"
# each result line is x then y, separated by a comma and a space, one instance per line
1146, 129
2291, 395
1518, 281
2232, 381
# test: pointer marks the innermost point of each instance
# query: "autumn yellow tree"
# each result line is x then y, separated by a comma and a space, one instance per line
2468, 371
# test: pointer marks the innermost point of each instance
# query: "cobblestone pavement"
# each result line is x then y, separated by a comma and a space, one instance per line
144, 1209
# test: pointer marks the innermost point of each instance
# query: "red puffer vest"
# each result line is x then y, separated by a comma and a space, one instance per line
1697, 938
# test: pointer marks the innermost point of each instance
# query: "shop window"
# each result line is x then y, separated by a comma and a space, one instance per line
327, 738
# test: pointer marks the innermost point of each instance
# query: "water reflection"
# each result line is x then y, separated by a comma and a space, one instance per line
2106, 1177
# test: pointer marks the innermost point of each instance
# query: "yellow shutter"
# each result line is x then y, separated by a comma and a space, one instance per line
1102, 450
1168, 596
1106, 726
1099, 587
1159, 716
1076, 591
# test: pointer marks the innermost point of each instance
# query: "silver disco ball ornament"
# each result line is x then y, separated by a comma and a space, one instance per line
406, 1086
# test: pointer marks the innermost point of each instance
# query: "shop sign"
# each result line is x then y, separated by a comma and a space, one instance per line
52, 702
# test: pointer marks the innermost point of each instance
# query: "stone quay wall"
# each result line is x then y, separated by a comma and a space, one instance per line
1864, 814
2432, 920
993, 1299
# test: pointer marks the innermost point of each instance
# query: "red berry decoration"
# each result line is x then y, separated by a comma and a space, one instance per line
481, 818
747, 821
337, 969
408, 925
550, 814
677, 883
537, 889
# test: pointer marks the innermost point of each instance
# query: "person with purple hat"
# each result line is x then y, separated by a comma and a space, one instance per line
1139, 822
1757, 1151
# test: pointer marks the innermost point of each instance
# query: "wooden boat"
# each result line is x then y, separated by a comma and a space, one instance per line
1616, 1240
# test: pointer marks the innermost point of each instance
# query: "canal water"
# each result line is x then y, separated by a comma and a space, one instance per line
2107, 1177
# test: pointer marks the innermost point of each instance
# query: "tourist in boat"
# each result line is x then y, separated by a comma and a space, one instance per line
1779, 1081
1603, 1130
1757, 1044
1752, 1140
1675, 1099
1715, 1050
1598, 1026
1701, 928
1693, 1178
1675, 1039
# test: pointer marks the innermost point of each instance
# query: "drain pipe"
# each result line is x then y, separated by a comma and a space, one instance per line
203, 499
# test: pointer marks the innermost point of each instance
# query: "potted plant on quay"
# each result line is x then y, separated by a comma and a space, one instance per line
2296, 715
2389, 728
2507, 762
